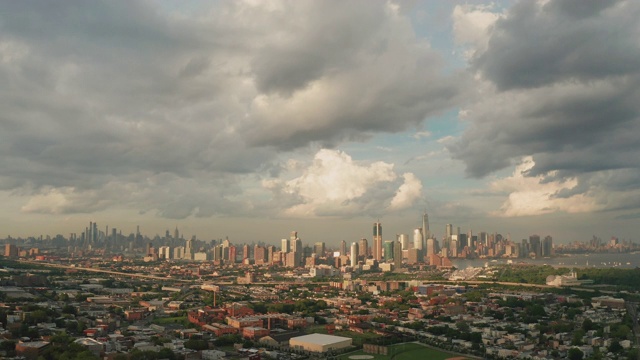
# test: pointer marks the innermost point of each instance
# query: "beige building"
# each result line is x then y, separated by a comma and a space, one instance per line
319, 342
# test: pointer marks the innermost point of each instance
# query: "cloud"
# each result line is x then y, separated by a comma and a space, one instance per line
532, 196
559, 83
421, 134
333, 184
471, 24
105, 95
408, 193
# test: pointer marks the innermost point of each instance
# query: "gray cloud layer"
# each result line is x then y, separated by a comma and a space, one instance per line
562, 85
125, 103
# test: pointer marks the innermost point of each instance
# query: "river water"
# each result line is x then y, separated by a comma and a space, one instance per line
597, 260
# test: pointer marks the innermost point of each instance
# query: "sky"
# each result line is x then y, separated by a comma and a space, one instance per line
249, 119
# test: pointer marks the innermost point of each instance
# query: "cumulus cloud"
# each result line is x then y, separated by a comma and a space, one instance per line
104, 93
408, 193
334, 184
530, 195
471, 24
559, 82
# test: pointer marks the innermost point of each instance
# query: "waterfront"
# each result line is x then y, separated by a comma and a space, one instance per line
595, 260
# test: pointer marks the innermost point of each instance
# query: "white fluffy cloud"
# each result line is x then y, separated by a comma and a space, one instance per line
531, 195
408, 193
471, 24
334, 184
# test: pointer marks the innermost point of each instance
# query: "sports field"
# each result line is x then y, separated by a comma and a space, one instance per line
408, 351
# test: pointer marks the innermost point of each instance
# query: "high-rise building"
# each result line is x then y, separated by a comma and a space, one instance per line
233, 253
176, 234
426, 233
418, 239
343, 247
354, 254
10, 250
388, 250
363, 248
377, 241
188, 250
449, 231
260, 255
285, 247
432, 247
404, 241
535, 245
397, 255
547, 246
319, 249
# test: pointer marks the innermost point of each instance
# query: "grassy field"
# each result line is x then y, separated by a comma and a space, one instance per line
408, 351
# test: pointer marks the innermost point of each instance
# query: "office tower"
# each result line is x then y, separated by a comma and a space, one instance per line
286, 246
363, 248
425, 226
164, 252
377, 241
178, 252
319, 249
432, 247
270, 253
188, 250
397, 255
404, 241
388, 250
296, 248
547, 246
260, 255
245, 251
343, 247
449, 231
149, 247
114, 234
354, 254
176, 234
418, 239
10, 250
233, 254
535, 245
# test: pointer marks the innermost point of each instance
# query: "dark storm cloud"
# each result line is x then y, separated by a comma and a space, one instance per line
568, 91
537, 45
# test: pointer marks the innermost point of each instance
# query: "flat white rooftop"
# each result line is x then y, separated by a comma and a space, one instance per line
320, 339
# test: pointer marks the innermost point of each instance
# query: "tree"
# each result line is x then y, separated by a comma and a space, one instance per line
195, 344
575, 354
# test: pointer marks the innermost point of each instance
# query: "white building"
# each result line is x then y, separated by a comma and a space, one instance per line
320, 343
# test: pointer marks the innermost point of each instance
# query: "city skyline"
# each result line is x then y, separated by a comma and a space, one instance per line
252, 119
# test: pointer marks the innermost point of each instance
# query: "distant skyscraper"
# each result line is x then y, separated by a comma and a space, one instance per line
397, 255
547, 246
388, 250
363, 248
426, 233
535, 245
286, 246
449, 231
354, 254
188, 250
418, 240
176, 234
404, 241
377, 241
343, 247
319, 249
